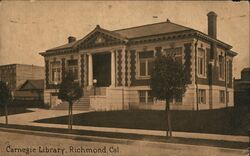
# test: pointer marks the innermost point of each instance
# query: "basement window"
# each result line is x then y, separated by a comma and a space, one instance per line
145, 97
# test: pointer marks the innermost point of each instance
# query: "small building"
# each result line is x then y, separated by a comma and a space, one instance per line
242, 88
30, 90
16, 74
117, 65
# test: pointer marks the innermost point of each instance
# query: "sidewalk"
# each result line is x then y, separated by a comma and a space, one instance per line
28, 118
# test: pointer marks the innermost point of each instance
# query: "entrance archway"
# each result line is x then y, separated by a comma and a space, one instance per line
102, 69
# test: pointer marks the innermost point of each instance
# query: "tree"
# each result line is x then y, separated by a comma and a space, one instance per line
5, 98
69, 92
168, 81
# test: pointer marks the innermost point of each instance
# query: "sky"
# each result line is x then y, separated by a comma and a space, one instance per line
30, 27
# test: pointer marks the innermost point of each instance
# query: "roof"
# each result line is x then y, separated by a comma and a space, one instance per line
246, 69
71, 44
32, 85
151, 29
139, 31
18, 64
65, 46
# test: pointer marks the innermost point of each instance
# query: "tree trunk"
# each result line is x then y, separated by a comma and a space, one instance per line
166, 110
71, 114
6, 114
169, 127
69, 117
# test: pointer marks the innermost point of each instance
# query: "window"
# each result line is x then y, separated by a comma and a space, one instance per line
174, 52
142, 96
202, 96
150, 97
227, 96
145, 63
55, 72
222, 96
178, 99
201, 62
228, 71
73, 68
221, 67
145, 96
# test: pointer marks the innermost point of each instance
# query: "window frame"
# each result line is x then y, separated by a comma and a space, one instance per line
177, 100
201, 95
227, 70
55, 72
222, 98
227, 98
202, 57
146, 60
221, 67
74, 68
147, 97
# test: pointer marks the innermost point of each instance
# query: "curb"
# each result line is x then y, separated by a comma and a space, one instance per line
151, 143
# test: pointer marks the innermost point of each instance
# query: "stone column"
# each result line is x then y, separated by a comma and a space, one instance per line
123, 66
113, 68
90, 74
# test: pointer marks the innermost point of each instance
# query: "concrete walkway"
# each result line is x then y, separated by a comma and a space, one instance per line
37, 114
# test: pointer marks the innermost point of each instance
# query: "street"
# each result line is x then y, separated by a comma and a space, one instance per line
15, 144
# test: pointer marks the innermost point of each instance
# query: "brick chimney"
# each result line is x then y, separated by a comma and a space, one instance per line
71, 39
212, 24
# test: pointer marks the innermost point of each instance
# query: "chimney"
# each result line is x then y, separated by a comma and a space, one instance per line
71, 39
212, 24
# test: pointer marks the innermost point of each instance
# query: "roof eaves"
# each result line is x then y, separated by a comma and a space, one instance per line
170, 33
201, 34
233, 53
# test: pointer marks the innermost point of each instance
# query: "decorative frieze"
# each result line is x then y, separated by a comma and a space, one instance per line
85, 67
133, 66
47, 73
123, 67
128, 68
187, 63
119, 68
82, 70
63, 68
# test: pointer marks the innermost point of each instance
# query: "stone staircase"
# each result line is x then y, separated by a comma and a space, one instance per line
84, 102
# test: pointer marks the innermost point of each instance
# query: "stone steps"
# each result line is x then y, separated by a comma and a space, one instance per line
82, 104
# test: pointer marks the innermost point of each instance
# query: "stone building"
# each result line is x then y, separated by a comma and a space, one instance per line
119, 62
242, 88
16, 74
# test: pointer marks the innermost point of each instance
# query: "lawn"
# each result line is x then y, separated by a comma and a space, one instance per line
234, 121
14, 110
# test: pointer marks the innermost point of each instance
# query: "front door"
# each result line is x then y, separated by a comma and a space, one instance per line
102, 69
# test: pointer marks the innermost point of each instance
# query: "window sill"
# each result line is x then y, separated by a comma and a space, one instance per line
143, 77
178, 103
144, 103
201, 103
53, 83
221, 79
201, 76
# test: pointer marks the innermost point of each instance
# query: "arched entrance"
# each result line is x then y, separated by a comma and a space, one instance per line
102, 69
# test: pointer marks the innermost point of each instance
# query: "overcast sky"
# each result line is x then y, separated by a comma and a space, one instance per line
27, 28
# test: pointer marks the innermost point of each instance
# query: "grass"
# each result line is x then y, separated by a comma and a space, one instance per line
177, 140
232, 121
14, 110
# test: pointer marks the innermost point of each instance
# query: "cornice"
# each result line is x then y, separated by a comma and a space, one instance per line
141, 40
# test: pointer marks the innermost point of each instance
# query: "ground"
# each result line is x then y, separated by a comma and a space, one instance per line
232, 121
111, 146
14, 110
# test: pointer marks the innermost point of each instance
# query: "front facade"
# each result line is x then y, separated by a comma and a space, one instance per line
242, 88
16, 74
113, 67
30, 90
